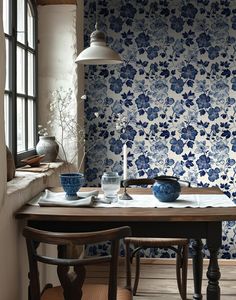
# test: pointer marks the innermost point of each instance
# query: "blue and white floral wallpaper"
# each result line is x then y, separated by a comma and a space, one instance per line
172, 101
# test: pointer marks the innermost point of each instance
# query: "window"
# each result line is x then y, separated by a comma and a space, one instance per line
19, 21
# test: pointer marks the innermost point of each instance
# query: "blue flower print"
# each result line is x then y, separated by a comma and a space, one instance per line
117, 108
178, 47
142, 40
142, 162
159, 149
115, 85
213, 52
233, 142
128, 72
159, 89
203, 40
177, 145
151, 173
220, 89
175, 92
115, 23
152, 113
233, 19
220, 150
152, 52
91, 174
115, 145
189, 11
178, 108
177, 23
203, 101
142, 101
233, 81
203, 162
177, 84
128, 11
189, 72
129, 133
189, 133
213, 113
178, 169
213, 174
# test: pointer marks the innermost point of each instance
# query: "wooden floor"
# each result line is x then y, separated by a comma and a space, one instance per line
158, 280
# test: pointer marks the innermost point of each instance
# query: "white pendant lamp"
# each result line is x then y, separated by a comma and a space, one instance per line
98, 53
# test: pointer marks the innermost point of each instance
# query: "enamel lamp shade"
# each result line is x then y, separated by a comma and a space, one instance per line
98, 53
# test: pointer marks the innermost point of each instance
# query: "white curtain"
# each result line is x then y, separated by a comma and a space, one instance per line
2, 132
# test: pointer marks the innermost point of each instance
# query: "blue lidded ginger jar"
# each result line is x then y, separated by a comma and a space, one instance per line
166, 189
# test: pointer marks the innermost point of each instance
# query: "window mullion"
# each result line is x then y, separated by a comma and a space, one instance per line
13, 82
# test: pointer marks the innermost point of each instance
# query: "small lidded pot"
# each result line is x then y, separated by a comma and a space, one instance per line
166, 189
110, 184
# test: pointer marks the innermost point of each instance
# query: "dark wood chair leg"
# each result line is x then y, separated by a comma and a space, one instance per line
184, 272
181, 270
128, 265
178, 268
137, 272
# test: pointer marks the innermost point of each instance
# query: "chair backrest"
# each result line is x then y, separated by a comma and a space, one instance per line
138, 182
150, 181
72, 288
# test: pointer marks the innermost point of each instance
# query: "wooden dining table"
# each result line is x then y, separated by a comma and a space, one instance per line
191, 223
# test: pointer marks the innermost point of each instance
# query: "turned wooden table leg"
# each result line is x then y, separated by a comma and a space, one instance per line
213, 272
197, 268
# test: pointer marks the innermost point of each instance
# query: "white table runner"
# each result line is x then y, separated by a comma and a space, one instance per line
93, 199
190, 200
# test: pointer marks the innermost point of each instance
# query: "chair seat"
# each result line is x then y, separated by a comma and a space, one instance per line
156, 242
90, 292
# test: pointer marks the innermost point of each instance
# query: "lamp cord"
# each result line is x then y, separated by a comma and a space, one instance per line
96, 7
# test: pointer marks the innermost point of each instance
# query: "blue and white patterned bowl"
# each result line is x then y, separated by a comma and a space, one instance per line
166, 190
71, 183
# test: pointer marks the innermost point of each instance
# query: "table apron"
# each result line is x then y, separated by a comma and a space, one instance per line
194, 230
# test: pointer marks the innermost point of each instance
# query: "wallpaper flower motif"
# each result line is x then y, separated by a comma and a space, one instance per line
176, 89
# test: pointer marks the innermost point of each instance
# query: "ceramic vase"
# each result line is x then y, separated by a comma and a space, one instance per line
47, 146
71, 183
166, 189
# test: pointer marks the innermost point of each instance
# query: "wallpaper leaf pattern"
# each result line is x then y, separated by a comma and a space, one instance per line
173, 100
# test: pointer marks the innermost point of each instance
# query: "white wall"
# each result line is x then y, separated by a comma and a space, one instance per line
57, 68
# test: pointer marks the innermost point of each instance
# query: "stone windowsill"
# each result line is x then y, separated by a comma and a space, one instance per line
26, 185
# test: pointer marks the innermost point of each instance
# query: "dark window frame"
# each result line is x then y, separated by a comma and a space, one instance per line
12, 77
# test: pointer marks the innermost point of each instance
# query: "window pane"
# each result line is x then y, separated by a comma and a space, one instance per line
30, 124
6, 118
6, 16
20, 124
30, 27
21, 21
30, 74
7, 65
20, 70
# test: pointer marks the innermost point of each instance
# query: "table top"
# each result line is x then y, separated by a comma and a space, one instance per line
132, 214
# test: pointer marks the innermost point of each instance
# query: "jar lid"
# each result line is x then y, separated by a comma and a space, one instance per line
110, 174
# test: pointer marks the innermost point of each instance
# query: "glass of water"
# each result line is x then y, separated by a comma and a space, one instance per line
110, 186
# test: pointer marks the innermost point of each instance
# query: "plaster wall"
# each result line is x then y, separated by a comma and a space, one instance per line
58, 72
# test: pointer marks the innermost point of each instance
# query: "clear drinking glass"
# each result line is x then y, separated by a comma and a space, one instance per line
110, 186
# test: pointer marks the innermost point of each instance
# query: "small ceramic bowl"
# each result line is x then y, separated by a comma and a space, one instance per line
33, 161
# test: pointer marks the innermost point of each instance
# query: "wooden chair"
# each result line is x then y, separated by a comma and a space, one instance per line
179, 245
72, 287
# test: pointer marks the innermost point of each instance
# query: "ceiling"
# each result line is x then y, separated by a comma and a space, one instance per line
53, 2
